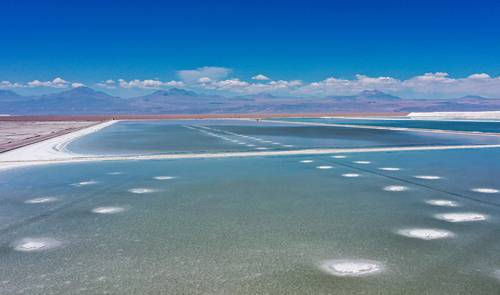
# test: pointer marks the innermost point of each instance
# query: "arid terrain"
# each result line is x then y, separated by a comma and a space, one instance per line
14, 134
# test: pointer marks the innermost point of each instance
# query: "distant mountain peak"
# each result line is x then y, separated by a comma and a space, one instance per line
473, 97
376, 94
9, 93
82, 90
174, 92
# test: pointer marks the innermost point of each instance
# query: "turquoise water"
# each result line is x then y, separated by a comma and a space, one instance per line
478, 126
261, 225
251, 225
157, 137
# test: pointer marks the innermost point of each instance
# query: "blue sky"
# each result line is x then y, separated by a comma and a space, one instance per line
309, 41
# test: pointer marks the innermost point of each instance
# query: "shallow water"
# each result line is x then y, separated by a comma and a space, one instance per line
196, 136
252, 226
456, 125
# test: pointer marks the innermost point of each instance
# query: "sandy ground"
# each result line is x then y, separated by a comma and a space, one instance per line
51, 149
14, 134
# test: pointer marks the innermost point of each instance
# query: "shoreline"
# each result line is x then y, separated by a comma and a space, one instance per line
48, 149
74, 158
189, 116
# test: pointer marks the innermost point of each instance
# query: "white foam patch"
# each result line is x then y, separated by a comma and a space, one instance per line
426, 233
485, 190
306, 161
141, 190
362, 162
427, 177
41, 200
108, 210
442, 203
84, 183
324, 167
251, 145
461, 217
163, 177
389, 168
396, 188
339, 157
114, 173
350, 175
287, 145
262, 148
36, 244
351, 268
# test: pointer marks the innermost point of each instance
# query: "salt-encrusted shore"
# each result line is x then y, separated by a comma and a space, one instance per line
53, 149
73, 158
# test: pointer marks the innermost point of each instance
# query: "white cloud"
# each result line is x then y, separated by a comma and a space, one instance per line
8, 84
213, 73
108, 84
215, 79
77, 84
204, 80
56, 83
260, 77
479, 76
149, 83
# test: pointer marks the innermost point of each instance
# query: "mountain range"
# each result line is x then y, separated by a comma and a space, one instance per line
84, 100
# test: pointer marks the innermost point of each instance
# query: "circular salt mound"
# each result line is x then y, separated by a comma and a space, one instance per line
40, 200
324, 167
427, 177
163, 177
35, 244
306, 161
140, 190
362, 162
351, 268
339, 157
425, 233
395, 188
485, 190
442, 203
350, 175
108, 210
114, 173
389, 168
83, 183
461, 217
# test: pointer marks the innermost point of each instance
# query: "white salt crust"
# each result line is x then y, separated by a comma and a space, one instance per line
442, 203
395, 188
425, 233
461, 217
351, 268
35, 244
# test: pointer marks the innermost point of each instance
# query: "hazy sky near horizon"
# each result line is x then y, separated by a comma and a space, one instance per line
292, 47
